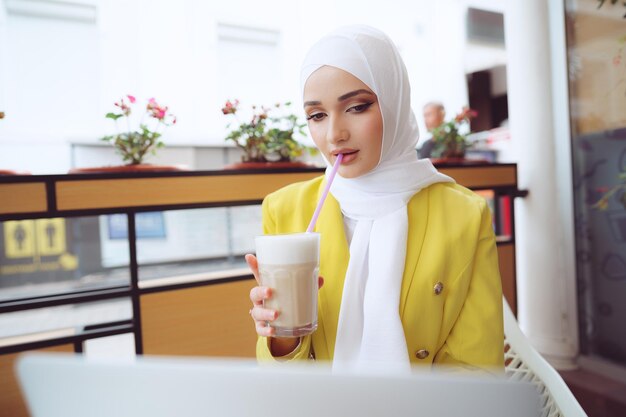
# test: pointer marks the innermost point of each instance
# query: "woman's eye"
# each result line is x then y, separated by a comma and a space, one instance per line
316, 116
360, 108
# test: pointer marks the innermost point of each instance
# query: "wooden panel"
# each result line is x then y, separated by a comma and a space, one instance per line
489, 176
133, 192
210, 320
506, 257
23, 198
11, 401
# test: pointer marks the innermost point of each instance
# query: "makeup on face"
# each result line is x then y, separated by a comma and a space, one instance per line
344, 117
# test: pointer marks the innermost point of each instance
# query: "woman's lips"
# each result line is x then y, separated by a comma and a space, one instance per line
348, 157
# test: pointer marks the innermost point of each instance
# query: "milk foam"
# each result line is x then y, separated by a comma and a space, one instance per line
288, 249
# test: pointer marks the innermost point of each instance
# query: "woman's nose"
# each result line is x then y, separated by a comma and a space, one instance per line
336, 132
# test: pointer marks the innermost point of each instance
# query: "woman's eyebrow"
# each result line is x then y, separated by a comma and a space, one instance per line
353, 93
340, 98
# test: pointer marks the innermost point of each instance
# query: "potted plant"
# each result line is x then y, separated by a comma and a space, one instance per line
133, 145
449, 143
268, 138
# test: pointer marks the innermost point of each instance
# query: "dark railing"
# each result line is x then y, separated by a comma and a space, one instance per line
67, 196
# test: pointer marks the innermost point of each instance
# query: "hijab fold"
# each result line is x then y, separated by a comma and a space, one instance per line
370, 333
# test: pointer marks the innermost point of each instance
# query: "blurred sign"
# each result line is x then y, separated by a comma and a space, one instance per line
19, 239
50, 236
147, 225
27, 238
35, 245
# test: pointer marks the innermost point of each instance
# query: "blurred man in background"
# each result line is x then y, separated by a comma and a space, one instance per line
434, 114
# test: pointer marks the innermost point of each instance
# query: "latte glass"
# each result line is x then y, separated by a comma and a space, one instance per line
289, 264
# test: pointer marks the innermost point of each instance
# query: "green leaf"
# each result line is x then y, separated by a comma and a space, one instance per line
113, 116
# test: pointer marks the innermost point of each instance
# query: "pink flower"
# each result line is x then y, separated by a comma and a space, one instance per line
230, 107
155, 110
123, 107
152, 108
466, 113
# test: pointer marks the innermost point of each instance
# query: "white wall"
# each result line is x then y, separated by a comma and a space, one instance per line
59, 75
48, 72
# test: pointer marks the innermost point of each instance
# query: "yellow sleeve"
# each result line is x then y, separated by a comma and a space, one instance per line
301, 352
263, 353
476, 339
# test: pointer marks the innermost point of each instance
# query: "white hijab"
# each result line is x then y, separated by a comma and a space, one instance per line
370, 333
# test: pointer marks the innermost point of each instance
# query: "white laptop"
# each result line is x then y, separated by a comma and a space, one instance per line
65, 385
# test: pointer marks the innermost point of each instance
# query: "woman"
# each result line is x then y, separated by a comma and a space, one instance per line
408, 256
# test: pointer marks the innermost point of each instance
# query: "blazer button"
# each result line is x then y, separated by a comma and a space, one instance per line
438, 288
422, 354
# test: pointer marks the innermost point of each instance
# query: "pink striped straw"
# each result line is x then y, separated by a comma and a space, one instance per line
320, 203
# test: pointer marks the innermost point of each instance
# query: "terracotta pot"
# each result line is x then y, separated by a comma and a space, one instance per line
453, 153
127, 168
268, 165
11, 172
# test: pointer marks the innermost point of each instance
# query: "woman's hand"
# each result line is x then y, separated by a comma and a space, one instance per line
259, 314
279, 346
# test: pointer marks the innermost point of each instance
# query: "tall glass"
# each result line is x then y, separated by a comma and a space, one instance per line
289, 264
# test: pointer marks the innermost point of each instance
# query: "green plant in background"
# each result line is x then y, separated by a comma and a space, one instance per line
448, 141
133, 145
266, 137
603, 203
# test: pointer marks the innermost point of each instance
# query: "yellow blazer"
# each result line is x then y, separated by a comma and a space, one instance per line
451, 296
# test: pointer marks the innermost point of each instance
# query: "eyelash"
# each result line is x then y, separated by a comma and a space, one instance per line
314, 117
360, 108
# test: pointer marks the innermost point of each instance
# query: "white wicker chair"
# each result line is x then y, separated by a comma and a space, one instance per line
524, 363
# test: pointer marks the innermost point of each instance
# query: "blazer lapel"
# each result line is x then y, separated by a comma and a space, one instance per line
334, 257
417, 210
